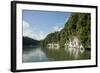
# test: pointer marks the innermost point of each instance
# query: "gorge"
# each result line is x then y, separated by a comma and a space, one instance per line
73, 42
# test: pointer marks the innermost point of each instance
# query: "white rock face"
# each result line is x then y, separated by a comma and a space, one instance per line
53, 46
73, 47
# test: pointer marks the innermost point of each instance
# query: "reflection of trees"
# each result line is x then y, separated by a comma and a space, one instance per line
63, 54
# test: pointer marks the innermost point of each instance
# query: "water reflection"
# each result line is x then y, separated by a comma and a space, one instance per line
75, 52
38, 54
34, 55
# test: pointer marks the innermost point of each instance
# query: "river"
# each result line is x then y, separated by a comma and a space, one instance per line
38, 54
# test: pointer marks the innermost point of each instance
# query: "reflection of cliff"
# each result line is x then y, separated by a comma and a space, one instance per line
78, 25
64, 54
74, 47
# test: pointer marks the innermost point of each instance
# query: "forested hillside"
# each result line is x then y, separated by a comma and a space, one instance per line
30, 42
79, 25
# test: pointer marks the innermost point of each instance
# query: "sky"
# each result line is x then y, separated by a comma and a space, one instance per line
38, 24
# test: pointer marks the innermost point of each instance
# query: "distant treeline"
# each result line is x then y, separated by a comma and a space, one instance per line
30, 42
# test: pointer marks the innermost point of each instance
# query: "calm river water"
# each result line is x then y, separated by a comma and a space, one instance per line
38, 54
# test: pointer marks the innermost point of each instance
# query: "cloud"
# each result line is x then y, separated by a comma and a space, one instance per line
42, 35
57, 28
27, 31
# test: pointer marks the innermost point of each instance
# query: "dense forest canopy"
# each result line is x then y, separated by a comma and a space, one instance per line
79, 25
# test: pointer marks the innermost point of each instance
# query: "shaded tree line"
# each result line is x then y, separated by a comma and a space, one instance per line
30, 42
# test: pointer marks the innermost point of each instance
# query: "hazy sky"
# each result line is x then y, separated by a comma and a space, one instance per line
38, 24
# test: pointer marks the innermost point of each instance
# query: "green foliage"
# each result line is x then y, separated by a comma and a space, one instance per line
79, 24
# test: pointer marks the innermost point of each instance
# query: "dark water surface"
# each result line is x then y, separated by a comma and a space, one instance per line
38, 54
